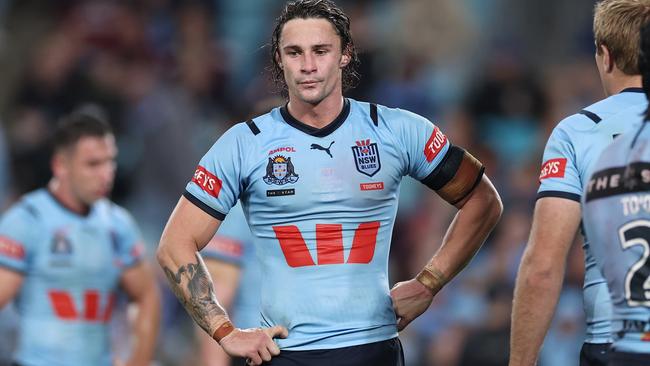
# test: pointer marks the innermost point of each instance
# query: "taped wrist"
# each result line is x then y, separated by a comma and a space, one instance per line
223, 330
456, 176
431, 278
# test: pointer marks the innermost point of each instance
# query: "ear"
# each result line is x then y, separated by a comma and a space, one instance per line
608, 61
345, 60
278, 59
59, 164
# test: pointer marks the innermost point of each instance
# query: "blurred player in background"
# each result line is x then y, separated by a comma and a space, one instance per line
64, 251
617, 222
318, 180
231, 262
568, 160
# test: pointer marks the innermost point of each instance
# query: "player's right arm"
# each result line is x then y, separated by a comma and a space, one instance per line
540, 277
11, 283
541, 271
213, 191
188, 230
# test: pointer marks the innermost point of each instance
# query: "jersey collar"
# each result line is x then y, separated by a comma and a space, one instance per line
632, 90
317, 132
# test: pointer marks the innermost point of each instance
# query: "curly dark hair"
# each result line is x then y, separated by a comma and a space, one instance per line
324, 9
644, 63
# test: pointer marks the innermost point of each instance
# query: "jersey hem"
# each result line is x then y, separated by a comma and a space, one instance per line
317, 346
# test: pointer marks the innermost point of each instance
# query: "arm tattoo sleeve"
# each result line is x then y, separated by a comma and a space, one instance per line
192, 286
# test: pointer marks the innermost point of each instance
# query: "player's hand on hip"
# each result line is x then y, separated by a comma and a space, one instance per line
410, 299
255, 344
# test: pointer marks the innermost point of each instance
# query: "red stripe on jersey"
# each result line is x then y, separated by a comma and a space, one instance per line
553, 168
293, 246
364, 243
207, 181
435, 144
63, 305
11, 248
329, 242
91, 301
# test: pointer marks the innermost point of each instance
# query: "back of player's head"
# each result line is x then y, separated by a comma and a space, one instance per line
323, 9
77, 125
616, 26
644, 63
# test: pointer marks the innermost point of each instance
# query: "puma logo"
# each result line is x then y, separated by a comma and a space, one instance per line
326, 149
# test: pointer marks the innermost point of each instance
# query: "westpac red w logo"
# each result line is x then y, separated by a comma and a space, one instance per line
329, 244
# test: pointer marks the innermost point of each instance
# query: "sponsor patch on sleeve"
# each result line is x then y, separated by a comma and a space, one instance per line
435, 144
207, 181
553, 168
10, 248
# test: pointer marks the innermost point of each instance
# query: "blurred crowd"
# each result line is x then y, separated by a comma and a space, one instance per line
172, 75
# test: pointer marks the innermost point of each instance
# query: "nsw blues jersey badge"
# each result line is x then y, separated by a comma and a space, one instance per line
366, 157
280, 171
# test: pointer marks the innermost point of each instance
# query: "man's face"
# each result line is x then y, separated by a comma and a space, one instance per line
311, 59
87, 169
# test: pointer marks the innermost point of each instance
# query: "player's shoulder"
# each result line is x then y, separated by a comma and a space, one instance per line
590, 117
31, 205
117, 214
260, 125
388, 117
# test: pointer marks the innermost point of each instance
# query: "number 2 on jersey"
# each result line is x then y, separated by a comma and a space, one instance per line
637, 286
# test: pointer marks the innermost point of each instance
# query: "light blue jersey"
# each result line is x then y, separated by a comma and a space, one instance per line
237, 248
617, 221
321, 204
570, 154
71, 266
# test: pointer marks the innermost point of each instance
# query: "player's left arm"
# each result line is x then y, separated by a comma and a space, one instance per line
457, 177
477, 215
140, 285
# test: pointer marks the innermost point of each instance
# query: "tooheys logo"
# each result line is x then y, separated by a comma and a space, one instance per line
435, 144
207, 181
553, 168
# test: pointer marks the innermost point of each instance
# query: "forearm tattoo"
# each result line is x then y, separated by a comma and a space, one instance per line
193, 287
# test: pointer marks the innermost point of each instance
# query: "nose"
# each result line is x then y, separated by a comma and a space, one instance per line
308, 63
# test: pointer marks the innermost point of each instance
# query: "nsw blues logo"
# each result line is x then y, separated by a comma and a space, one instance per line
280, 171
366, 157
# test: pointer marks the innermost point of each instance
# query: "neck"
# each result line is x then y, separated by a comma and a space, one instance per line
316, 115
65, 197
622, 82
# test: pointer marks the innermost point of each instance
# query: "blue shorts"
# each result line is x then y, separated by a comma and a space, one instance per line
595, 354
384, 353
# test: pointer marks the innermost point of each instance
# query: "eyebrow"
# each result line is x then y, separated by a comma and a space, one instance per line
296, 47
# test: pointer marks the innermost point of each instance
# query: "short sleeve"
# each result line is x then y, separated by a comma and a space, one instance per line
216, 184
232, 238
128, 239
18, 237
559, 175
423, 142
